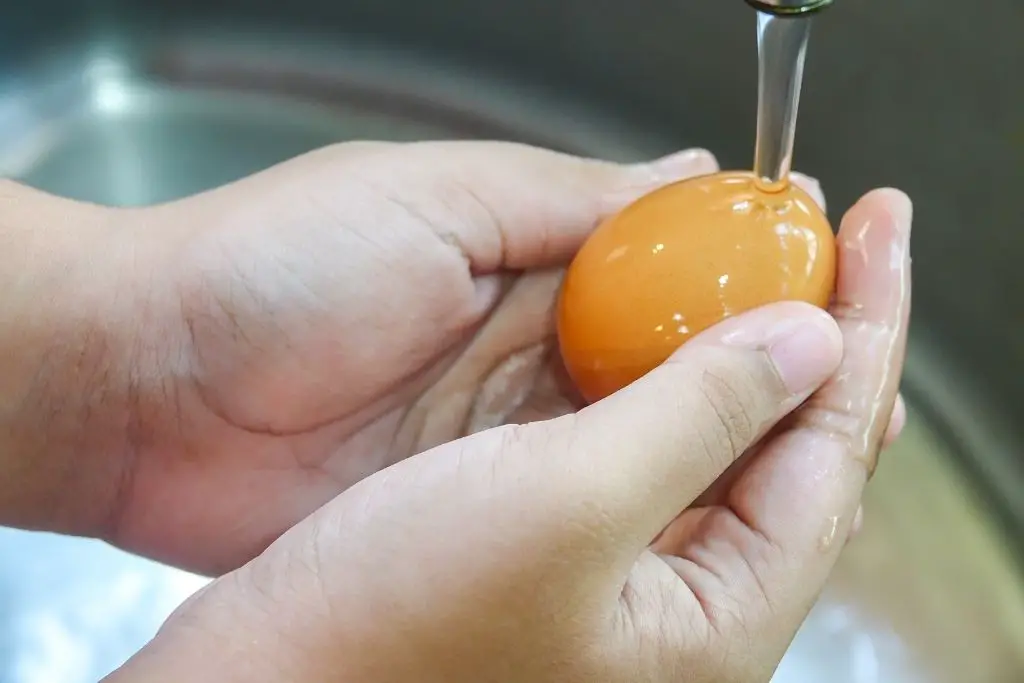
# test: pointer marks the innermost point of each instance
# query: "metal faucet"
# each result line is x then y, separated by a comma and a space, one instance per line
783, 29
789, 7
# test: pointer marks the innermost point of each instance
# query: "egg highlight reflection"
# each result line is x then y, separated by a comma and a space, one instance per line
680, 260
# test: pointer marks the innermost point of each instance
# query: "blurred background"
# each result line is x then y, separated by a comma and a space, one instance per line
131, 103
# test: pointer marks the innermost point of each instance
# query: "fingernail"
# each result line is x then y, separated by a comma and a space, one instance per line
803, 343
806, 354
488, 290
901, 208
812, 187
686, 164
897, 422
858, 522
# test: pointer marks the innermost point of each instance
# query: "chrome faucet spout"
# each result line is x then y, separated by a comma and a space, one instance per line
789, 7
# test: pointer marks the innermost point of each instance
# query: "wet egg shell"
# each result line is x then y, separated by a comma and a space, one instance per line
680, 260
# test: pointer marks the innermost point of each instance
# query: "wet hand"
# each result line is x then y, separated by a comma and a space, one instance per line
290, 334
679, 530
343, 311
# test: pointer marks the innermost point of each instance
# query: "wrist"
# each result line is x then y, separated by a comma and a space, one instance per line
77, 299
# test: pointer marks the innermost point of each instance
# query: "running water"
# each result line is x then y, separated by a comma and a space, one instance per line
782, 48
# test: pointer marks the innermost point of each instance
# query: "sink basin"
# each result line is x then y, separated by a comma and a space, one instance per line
97, 104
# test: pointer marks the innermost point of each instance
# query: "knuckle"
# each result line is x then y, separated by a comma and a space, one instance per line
513, 437
534, 439
761, 555
504, 445
860, 431
730, 404
843, 422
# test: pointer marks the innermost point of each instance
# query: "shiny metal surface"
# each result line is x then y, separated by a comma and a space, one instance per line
789, 7
138, 102
782, 50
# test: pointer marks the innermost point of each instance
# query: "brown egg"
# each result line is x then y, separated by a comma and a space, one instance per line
680, 260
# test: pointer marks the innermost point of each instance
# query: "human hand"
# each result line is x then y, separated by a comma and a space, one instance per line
678, 530
297, 331
351, 308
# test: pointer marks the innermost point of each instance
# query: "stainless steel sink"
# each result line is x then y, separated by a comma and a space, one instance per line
131, 103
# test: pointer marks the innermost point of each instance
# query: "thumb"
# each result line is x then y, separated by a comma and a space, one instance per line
629, 465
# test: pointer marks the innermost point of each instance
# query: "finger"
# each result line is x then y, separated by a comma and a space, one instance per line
873, 299
631, 463
790, 512
897, 422
676, 534
511, 206
812, 187
858, 523
718, 492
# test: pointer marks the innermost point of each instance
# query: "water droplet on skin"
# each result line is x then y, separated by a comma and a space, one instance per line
828, 539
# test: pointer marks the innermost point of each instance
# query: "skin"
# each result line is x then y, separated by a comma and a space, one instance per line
276, 350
